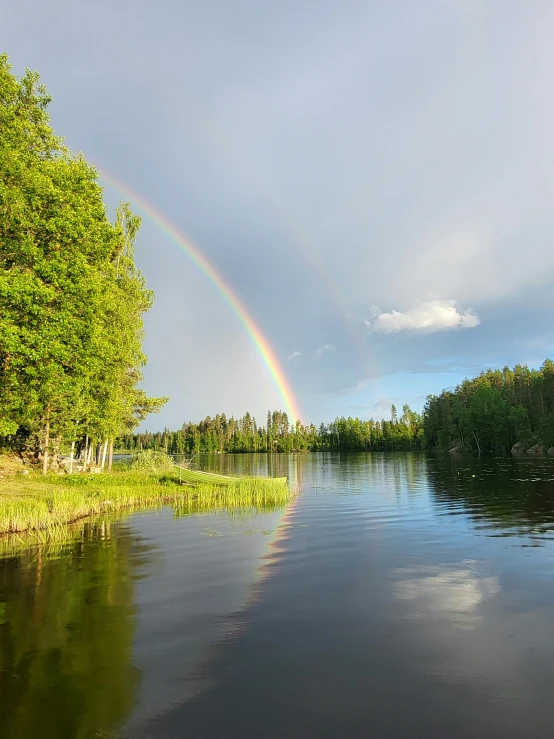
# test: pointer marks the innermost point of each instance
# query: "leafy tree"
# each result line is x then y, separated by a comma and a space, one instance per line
495, 410
71, 298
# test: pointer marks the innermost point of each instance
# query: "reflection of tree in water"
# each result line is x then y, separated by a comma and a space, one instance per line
366, 472
272, 465
514, 495
66, 634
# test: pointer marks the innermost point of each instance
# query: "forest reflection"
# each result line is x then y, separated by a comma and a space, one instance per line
67, 621
505, 497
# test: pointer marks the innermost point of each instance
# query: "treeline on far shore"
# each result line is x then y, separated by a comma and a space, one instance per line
222, 434
500, 411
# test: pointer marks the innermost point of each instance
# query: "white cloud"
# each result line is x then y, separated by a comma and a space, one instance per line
295, 355
325, 349
433, 315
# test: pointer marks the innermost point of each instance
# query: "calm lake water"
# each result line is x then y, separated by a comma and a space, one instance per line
396, 596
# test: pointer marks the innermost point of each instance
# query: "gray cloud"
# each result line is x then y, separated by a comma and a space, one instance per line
324, 157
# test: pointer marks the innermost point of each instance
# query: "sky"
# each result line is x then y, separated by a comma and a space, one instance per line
374, 181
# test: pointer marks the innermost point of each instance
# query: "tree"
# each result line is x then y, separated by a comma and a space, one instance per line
71, 298
495, 410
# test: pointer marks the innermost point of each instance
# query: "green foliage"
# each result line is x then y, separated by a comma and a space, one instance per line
488, 414
151, 460
494, 411
222, 434
7, 427
71, 297
259, 493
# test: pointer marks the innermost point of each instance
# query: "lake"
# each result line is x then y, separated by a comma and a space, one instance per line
397, 595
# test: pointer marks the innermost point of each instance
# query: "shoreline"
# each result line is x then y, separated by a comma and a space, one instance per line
35, 504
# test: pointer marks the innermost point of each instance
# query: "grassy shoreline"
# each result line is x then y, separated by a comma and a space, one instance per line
33, 503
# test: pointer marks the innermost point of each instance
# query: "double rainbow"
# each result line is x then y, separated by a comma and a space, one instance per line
224, 288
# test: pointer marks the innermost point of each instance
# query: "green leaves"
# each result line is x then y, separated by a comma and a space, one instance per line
494, 411
7, 428
222, 434
71, 298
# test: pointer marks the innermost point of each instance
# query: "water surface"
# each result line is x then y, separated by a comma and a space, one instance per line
395, 596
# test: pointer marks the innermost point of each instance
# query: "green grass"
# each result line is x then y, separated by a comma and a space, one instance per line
44, 505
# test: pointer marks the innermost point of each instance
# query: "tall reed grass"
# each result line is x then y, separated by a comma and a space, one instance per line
38, 504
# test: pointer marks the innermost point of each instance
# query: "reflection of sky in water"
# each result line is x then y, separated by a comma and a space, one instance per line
385, 601
462, 627
454, 593
206, 576
385, 596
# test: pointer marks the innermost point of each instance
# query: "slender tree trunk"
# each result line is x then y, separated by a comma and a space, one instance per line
46, 442
85, 454
56, 448
71, 457
110, 456
104, 453
89, 460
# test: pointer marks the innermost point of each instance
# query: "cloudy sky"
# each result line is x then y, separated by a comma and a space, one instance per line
373, 180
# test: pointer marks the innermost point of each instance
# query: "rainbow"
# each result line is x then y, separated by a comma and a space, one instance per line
225, 290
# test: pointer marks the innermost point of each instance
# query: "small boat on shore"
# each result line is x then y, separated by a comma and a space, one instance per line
195, 476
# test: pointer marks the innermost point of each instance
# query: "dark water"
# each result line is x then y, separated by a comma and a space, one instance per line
396, 596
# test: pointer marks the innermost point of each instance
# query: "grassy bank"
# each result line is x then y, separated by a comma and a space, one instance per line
33, 503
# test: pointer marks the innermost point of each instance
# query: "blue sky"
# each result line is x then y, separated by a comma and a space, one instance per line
373, 179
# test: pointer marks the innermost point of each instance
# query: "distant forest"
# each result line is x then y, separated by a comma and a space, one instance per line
496, 412
222, 434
